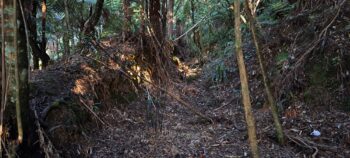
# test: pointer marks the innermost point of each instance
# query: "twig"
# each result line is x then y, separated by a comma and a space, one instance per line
225, 104
315, 153
90, 110
3, 144
49, 149
189, 30
306, 143
323, 32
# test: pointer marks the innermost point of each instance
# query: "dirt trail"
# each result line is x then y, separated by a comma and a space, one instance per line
181, 133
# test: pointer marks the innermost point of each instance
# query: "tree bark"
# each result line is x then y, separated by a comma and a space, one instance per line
38, 49
66, 46
155, 19
170, 18
43, 28
196, 33
271, 99
23, 111
33, 30
164, 9
3, 72
127, 19
244, 82
89, 25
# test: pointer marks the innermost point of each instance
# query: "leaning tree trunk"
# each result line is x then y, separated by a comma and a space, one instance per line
271, 99
244, 82
89, 25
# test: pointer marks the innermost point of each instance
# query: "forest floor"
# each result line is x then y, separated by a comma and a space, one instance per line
122, 130
89, 109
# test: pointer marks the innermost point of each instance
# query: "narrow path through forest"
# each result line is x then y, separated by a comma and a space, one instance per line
176, 132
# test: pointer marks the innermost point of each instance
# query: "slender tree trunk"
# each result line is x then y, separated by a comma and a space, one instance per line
43, 30
90, 24
23, 111
196, 33
142, 16
142, 28
146, 9
3, 72
244, 82
34, 35
155, 19
3, 57
127, 19
170, 18
271, 99
164, 18
38, 48
66, 32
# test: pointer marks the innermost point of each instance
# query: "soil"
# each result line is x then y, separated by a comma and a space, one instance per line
88, 108
126, 131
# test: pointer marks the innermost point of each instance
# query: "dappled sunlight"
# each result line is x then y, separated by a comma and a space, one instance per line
113, 65
186, 68
81, 87
175, 78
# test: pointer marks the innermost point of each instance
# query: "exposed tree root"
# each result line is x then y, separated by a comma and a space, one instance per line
172, 95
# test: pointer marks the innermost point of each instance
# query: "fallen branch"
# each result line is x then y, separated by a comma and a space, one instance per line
306, 143
189, 30
225, 104
320, 36
298, 141
48, 147
90, 110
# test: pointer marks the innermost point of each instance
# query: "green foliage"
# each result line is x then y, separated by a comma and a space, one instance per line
282, 57
220, 73
113, 5
273, 10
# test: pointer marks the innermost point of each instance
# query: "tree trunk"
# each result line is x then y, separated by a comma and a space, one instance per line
38, 50
127, 19
89, 25
66, 32
196, 33
170, 18
23, 111
32, 28
271, 99
146, 9
43, 30
244, 82
142, 28
3, 71
164, 18
155, 19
